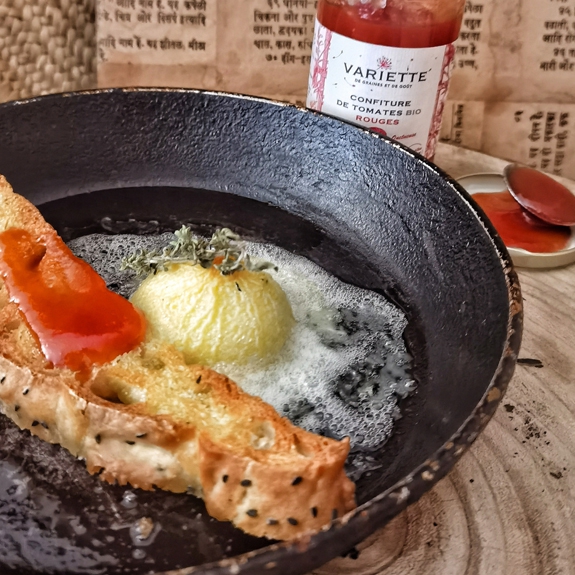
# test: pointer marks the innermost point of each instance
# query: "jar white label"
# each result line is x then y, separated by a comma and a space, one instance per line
398, 92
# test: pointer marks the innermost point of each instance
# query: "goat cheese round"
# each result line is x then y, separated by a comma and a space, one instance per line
212, 317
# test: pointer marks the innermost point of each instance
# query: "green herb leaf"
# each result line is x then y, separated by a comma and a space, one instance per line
224, 247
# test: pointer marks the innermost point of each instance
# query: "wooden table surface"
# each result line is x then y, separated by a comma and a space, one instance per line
508, 507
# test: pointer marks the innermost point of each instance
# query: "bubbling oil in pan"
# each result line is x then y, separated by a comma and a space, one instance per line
343, 369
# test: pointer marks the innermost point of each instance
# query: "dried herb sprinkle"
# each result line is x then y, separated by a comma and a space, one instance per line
223, 247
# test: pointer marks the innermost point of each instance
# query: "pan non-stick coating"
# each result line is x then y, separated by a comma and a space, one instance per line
370, 211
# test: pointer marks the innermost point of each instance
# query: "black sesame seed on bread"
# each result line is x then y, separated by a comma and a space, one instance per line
150, 420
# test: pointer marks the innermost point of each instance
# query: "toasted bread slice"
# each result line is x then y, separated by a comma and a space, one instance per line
150, 420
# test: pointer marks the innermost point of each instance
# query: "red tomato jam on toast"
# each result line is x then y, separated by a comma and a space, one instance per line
78, 321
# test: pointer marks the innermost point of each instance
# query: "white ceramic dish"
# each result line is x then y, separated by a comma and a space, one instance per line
491, 183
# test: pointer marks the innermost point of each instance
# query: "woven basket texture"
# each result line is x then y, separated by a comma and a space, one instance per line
46, 46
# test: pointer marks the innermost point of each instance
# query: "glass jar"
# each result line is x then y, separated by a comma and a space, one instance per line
385, 65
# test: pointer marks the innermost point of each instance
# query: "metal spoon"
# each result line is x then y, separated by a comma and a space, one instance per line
541, 195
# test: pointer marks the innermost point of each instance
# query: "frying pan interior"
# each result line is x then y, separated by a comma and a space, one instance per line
367, 210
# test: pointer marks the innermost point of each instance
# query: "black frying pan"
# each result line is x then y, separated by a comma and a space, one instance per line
370, 211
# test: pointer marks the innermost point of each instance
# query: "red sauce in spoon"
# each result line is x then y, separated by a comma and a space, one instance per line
541, 195
518, 228
76, 318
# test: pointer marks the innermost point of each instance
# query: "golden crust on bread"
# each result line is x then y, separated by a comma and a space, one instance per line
150, 420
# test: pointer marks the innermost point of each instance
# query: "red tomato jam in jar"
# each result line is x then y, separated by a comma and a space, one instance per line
78, 321
385, 65
398, 23
518, 228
